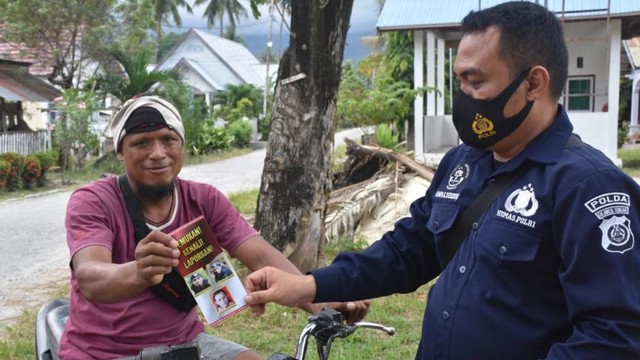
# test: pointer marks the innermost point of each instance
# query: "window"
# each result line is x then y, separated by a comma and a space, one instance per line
580, 94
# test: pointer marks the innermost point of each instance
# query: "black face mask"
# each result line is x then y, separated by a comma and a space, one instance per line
481, 123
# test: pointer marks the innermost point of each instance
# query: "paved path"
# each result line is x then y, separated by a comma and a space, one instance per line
243, 172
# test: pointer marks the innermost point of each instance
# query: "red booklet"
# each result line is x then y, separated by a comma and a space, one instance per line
208, 272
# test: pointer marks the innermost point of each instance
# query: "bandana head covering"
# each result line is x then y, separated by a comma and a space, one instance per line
142, 114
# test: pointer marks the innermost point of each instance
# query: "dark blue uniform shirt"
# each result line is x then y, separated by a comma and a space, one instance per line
550, 271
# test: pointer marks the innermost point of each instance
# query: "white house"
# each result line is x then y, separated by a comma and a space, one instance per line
594, 30
207, 63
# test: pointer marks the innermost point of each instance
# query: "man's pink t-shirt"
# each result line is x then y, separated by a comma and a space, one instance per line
97, 215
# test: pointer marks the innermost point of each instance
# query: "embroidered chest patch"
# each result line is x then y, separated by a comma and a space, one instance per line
612, 209
520, 205
457, 176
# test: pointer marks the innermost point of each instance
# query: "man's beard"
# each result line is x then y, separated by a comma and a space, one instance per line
155, 193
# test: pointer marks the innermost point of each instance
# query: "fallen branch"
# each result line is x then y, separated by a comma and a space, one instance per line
389, 155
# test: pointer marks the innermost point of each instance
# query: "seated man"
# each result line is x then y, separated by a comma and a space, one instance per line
114, 311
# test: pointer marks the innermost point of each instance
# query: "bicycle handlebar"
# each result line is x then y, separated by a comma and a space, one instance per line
325, 326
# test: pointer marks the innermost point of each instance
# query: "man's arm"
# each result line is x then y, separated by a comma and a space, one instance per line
256, 253
101, 280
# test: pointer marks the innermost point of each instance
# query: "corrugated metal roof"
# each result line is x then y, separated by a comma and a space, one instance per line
417, 14
223, 62
16, 84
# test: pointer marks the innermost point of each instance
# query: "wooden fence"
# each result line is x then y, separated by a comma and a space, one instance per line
25, 142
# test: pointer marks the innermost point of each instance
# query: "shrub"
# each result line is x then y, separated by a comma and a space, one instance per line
210, 139
30, 171
109, 164
385, 138
47, 160
5, 169
240, 131
16, 162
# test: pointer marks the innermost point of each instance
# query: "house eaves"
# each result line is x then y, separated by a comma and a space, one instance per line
16, 84
438, 14
200, 71
632, 48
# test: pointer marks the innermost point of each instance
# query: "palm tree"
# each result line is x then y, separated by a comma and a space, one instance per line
165, 7
218, 8
233, 35
137, 79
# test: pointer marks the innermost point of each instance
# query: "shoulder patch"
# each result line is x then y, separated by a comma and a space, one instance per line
612, 209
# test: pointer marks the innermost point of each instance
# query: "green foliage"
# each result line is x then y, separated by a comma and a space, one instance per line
344, 244
51, 31
31, 171
5, 170
398, 55
240, 131
164, 8
138, 79
630, 157
109, 164
386, 138
366, 100
217, 9
245, 201
16, 163
18, 344
245, 98
211, 139
623, 132
47, 160
71, 130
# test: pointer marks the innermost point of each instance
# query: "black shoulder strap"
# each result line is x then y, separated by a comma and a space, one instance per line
173, 288
458, 232
140, 227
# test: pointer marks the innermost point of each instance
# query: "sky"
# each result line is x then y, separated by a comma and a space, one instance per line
255, 31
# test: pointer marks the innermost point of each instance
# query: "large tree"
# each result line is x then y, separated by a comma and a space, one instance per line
51, 32
297, 174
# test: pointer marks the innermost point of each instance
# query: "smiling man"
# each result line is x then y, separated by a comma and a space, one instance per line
119, 283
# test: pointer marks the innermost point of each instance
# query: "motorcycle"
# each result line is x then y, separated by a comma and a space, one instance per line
324, 326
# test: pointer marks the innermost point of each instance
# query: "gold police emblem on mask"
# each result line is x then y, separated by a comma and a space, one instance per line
482, 126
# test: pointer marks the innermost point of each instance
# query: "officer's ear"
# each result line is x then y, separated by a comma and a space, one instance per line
538, 83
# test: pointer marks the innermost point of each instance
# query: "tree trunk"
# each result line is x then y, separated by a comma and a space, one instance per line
296, 180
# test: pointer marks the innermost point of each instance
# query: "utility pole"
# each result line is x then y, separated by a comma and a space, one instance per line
266, 76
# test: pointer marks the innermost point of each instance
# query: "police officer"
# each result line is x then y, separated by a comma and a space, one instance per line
551, 270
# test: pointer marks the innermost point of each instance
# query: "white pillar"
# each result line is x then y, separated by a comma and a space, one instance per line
431, 73
440, 77
635, 100
418, 81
